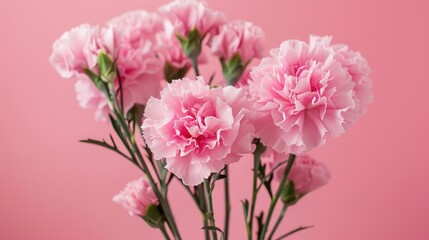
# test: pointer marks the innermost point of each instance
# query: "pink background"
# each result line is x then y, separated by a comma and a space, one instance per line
53, 187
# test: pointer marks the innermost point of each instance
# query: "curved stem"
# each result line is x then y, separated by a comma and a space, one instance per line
227, 205
194, 61
164, 232
277, 196
256, 162
115, 108
203, 209
210, 213
279, 220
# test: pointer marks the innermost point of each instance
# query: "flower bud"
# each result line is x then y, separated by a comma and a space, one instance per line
289, 195
154, 216
191, 45
106, 67
232, 69
137, 198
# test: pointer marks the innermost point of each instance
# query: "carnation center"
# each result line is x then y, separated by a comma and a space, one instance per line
191, 128
304, 85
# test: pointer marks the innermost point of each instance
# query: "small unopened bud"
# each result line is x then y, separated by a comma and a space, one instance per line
106, 67
289, 195
232, 69
154, 216
191, 44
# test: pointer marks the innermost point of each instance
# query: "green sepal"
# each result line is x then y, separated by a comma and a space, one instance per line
232, 69
172, 73
106, 67
135, 114
191, 45
289, 195
154, 216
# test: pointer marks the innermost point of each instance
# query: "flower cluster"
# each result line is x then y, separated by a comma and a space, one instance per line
135, 68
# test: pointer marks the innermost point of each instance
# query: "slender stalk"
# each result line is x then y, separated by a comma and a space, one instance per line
164, 232
279, 220
277, 196
135, 151
194, 61
203, 209
256, 162
227, 204
210, 213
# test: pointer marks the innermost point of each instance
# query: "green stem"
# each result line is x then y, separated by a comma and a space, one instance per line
256, 162
194, 61
203, 209
135, 150
277, 196
210, 213
227, 204
164, 232
279, 220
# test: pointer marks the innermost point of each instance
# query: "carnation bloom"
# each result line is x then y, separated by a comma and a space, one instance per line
198, 129
135, 39
239, 37
302, 93
306, 173
186, 15
137, 196
129, 40
75, 50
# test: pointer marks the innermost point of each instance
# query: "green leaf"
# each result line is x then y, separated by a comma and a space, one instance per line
293, 231
116, 127
212, 228
106, 145
245, 204
260, 222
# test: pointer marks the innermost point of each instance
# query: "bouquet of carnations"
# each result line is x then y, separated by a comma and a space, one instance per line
141, 71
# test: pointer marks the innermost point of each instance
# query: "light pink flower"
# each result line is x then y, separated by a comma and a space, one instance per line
301, 93
75, 50
238, 37
198, 129
137, 196
306, 173
359, 70
186, 15
135, 41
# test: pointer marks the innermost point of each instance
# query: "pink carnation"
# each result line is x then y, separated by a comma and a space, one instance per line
238, 37
306, 173
137, 196
302, 93
135, 40
359, 70
198, 129
186, 15
129, 40
75, 50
